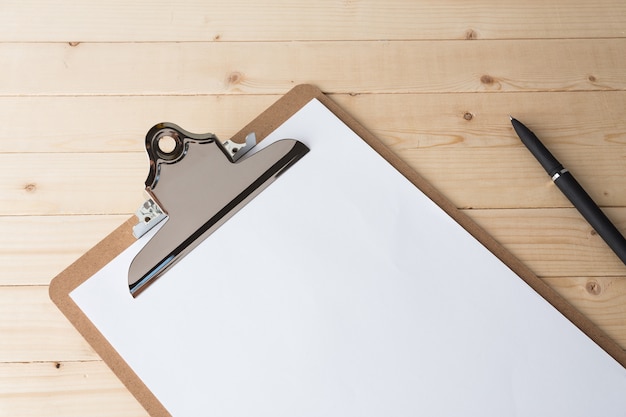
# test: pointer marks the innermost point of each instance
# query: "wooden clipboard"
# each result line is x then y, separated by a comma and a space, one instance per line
274, 116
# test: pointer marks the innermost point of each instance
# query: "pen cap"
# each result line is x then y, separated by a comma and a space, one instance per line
534, 145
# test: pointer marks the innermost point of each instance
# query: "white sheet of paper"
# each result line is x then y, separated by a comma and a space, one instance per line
342, 290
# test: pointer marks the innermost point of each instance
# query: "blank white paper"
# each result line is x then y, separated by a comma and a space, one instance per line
342, 290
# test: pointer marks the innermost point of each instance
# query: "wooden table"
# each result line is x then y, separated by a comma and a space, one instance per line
81, 82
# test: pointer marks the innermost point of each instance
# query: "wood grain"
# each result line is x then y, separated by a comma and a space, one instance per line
602, 299
76, 124
402, 121
82, 82
72, 183
107, 21
33, 329
38, 184
336, 67
69, 389
554, 242
42, 243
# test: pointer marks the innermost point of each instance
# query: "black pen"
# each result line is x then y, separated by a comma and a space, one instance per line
573, 191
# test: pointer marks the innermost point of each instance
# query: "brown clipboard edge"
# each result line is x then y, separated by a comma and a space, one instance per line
115, 243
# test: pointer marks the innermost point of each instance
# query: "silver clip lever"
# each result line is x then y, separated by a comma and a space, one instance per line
199, 184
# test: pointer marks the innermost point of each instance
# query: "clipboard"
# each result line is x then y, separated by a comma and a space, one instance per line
274, 117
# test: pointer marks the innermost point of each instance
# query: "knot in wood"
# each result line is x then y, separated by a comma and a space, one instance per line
487, 79
471, 34
593, 287
235, 78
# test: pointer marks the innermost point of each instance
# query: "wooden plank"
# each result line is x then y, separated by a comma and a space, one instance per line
602, 299
33, 329
337, 67
117, 123
113, 183
72, 183
324, 20
402, 121
481, 120
35, 249
69, 389
554, 242
471, 179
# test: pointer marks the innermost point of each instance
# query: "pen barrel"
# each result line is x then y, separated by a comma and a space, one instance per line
539, 151
592, 213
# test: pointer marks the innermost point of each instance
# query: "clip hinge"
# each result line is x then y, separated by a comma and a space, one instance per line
149, 215
237, 150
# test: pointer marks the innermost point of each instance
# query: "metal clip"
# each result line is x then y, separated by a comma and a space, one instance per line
199, 183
